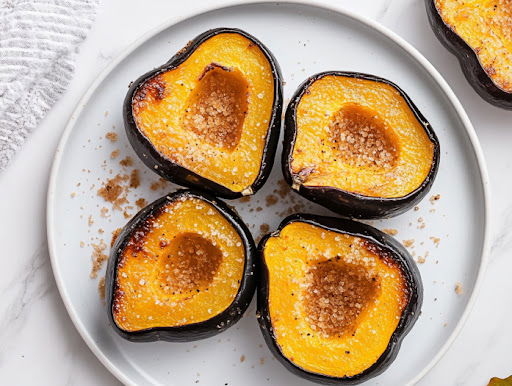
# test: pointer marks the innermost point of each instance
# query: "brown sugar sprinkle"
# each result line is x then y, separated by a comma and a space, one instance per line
335, 294
262, 361
114, 191
141, 203
435, 240
157, 185
126, 162
101, 288
191, 265
90, 220
242, 358
219, 105
271, 200
264, 228
259, 209
98, 258
408, 243
104, 212
458, 288
134, 179
390, 231
111, 136
416, 208
115, 234
114, 154
245, 199
283, 189
362, 138
422, 259
434, 198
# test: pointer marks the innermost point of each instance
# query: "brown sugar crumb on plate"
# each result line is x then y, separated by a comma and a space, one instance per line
434, 198
390, 231
126, 162
114, 191
101, 288
271, 200
141, 203
111, 136
98, 258
157, 185
458, 288
435, 240
134, 179
115, 234
408, 243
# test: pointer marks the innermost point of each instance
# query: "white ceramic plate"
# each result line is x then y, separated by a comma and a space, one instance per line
305, 39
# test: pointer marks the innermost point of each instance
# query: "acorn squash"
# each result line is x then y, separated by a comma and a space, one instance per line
479, 34
210, 117
182, 269
335, 298
356, 144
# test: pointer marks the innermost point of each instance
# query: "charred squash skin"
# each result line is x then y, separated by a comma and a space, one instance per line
346, 203
175, 172
380, 239
468, 59
194, 331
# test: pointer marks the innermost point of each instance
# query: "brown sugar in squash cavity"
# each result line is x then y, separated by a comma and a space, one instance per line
217, 106
335, 295
182, 269
362, 137
189, 264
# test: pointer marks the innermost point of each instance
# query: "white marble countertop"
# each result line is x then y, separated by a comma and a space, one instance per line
39, 342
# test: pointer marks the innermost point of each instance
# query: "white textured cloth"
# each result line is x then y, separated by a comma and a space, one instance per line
38, 43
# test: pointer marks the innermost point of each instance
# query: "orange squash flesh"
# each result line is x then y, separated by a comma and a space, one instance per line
359, 136
184, 266
320, 325
486, 26
211, 113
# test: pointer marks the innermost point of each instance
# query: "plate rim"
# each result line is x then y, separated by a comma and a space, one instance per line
224, 4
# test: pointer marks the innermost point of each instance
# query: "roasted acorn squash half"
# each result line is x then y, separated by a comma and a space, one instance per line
357, 144
479, 34
182, 269
210, 117
335, 298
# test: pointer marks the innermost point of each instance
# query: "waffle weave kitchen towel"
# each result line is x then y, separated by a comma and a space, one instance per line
38, 44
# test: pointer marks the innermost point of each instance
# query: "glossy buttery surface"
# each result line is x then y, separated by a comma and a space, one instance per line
317, 153
170, 110
182, 266
486, 26
308, 341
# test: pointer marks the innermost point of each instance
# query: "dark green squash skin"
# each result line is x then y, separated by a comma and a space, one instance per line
392, 248
471, 67
176, 173
195, 331
348, 204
